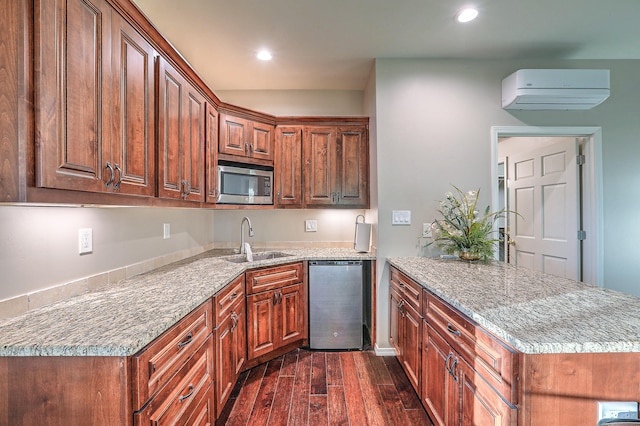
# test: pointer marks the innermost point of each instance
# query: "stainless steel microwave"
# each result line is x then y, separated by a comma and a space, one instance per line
244, 185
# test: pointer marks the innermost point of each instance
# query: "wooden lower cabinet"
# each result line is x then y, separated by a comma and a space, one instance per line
405, 325
453, 393
230, 341
275, 318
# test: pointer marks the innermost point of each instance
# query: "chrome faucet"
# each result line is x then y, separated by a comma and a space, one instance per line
244, 219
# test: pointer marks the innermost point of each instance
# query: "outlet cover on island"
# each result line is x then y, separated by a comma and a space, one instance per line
85, 241
310, 225
166, 231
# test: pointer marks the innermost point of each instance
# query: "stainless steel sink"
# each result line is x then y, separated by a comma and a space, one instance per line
266, 255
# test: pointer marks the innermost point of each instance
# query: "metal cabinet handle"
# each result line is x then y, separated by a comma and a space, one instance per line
116, 185
251, 151
279, 297
452, 330
234, 320
234, 295
339, 196
183, 397
113, 174
246, 148
446, 362
186, 189
275, 298
452, 371
186, 341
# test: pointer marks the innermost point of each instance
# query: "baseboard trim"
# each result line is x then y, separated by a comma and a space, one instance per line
384, 351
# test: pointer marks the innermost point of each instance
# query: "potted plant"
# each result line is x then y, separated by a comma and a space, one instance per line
462, 229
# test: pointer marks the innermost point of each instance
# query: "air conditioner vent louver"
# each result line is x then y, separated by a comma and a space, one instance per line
542, 89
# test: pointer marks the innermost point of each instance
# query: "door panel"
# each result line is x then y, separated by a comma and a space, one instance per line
260, 317
291, 321
320, 162
288, 169
543, 189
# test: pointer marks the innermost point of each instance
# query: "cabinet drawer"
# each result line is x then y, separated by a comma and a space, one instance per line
273, 277
491, 358
162, 358
228, 298
182, 397
410, 290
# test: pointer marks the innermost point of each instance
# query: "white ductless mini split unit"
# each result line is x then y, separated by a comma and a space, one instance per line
543, 89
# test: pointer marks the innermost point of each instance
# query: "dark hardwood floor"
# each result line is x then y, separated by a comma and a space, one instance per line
325, 388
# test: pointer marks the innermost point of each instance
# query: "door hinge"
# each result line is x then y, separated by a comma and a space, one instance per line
582, 235
581, 159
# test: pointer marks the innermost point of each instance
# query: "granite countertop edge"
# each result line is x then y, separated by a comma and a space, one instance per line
122, 319
573, 338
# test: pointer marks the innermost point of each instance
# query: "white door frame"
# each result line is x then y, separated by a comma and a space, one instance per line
592, 194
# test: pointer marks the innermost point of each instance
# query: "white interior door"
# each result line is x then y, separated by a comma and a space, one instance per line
543, 189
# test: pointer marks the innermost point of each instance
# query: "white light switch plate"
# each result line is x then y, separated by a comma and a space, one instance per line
166, 231
310, 225
401, 217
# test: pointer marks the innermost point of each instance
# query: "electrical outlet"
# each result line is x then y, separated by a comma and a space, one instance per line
166, 231
426, 230
617, 410
310, 225
85, 241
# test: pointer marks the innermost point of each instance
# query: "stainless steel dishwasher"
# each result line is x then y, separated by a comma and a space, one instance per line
335, 304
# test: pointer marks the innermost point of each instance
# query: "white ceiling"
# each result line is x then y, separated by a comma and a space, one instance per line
331, 44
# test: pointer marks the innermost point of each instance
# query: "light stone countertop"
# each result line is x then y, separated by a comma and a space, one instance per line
122, 319
535, 313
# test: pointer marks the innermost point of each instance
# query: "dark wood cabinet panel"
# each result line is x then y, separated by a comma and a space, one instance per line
353, 152
211, 160
230, 339
436, 378
288, 167
246, 139
133, 103
336, 166
320, 166
276, 311
412, 341
94, 100
71, 93
181, 132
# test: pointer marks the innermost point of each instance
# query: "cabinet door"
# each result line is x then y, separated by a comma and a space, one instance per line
261, 142
225, 361
239, 338
438, 387
290, 317
261, 317
71, 93
353, 155
211, 142
193, 146
412, 344
481, 405
288, 167
132, 97
180, 135
234, 135
395, 322
320, 169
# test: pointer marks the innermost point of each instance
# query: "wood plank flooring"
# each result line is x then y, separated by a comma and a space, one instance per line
309, 388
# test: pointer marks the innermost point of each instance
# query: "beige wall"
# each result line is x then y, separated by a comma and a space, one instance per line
433, 129
298, 102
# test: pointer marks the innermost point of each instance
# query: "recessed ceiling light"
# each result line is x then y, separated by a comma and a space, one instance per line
466, 15
264, 55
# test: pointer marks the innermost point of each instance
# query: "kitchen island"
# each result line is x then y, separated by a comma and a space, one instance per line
512, 346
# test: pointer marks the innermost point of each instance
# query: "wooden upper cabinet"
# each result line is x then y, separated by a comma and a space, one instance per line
353, 154
320, 166
133, 102
181, 134
246, 139
211, 142
288, 167
336, 166
94, 100
71, 93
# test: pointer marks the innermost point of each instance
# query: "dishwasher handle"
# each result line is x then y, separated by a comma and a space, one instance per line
335, 262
